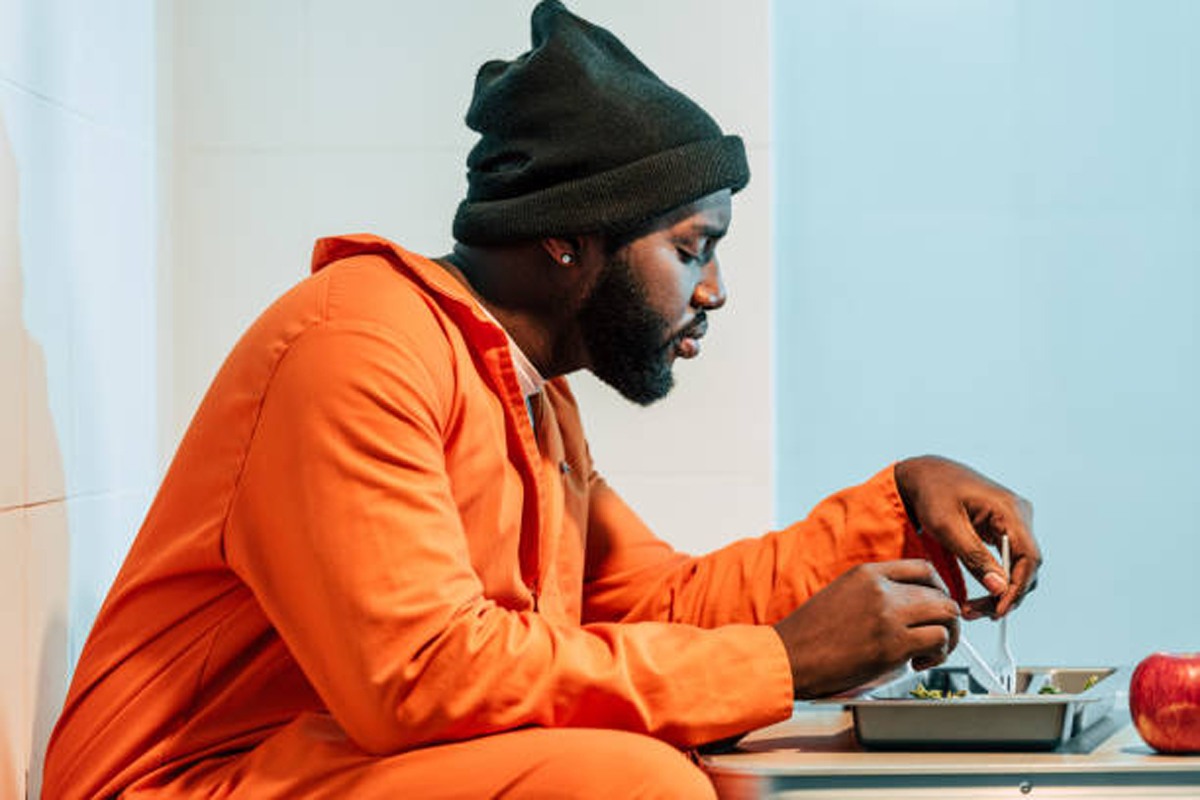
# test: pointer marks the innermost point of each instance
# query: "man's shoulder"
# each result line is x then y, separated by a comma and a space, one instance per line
374, 288
366, 293
370, 281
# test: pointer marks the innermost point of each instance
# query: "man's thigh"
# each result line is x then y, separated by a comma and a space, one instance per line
312, 758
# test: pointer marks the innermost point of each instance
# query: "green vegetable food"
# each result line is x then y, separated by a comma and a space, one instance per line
921, 693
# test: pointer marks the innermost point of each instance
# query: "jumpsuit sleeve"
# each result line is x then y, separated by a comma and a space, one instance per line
345, 528
632, 575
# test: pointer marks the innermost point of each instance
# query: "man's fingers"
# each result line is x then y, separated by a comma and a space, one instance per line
966, 513
1024, 581
915, 571
925, 607
959, 536
930, 646
979, 607
1026, 557
1012, 516
933, 617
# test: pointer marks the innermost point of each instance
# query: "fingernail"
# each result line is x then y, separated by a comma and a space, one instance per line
995, 583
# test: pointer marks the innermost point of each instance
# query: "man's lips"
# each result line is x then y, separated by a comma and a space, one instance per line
687, 341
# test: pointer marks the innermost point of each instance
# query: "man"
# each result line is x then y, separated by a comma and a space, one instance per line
382, 563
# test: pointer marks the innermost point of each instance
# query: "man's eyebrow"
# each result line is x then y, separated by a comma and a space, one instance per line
708, 231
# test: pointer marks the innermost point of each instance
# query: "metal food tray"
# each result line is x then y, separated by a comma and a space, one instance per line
888, 717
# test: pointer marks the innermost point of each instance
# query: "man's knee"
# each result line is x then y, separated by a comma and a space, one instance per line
311, 758
586, 763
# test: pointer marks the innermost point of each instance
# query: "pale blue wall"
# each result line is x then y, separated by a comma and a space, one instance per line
988, 246
78, 345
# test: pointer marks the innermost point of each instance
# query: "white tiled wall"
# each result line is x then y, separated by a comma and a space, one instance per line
278, 121
300, 119
77, 338
14, 728
273, 122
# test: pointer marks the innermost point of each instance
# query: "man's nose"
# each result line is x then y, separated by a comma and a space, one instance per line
709, 293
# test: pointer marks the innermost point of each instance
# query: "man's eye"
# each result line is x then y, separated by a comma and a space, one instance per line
686, 256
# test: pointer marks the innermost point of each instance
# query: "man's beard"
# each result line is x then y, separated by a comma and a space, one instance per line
629, 342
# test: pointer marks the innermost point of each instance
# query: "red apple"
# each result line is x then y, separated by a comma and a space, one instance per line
1164, 700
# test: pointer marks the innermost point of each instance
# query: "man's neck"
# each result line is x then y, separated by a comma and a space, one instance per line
499, 286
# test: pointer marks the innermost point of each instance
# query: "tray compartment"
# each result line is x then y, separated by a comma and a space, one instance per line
889, 717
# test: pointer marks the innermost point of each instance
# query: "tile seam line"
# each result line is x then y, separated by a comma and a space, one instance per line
75, 113
301, 149
37, 504
71, 497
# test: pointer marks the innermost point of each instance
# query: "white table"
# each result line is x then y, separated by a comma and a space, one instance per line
815, 755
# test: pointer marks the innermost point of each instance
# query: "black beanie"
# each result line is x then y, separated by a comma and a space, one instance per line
578, 136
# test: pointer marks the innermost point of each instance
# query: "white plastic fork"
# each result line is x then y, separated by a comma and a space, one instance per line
982, 672
1006, 666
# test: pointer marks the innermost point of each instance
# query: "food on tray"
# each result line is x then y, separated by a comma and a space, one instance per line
921, 693
949, 708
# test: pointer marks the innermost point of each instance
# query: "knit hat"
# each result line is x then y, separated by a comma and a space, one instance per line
578, 136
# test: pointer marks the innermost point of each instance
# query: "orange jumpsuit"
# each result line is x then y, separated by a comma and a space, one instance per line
365, 574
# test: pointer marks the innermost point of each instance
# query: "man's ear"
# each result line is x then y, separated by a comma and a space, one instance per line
563, 251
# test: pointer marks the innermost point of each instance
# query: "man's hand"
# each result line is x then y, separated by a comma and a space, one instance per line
965, 512
872, 619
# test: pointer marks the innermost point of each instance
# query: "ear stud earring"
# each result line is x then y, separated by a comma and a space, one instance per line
567, 258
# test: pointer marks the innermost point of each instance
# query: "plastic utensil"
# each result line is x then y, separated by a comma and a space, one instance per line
981, 671
1006, 666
